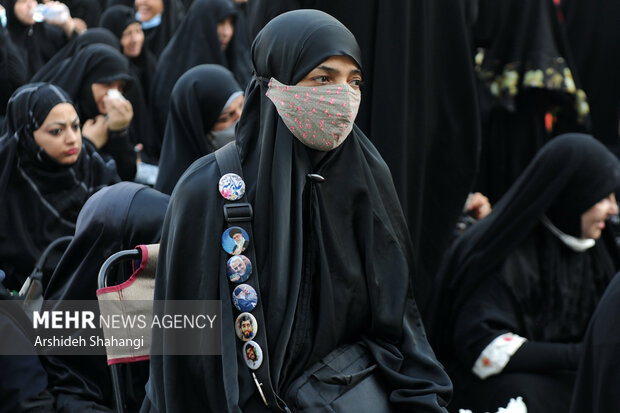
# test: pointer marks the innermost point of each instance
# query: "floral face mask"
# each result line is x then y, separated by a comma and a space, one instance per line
321, 117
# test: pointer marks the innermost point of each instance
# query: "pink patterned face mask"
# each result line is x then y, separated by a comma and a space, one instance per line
321, 117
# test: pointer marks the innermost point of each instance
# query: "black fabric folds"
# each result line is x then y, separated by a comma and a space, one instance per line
158, 37
90, 36
196, 42
12, 72
23, 381
598, 374
197, 100
528, 87
41, 199
334, 258
116, 218
597, 63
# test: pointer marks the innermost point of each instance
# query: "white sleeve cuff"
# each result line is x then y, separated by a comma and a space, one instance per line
496, 355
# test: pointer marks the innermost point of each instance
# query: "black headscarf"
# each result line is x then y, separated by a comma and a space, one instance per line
116, 19
40, 198
568, 176
90, 36
142, 67
336, 253
158, 37
96, 63
196, 42
37, 43
197, 100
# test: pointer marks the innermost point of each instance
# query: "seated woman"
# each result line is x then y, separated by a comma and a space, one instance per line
37, 42
516, 291
206, 35
159, 19
330, 241
116, 218
87, 77
121, 21
205, 106
47, 172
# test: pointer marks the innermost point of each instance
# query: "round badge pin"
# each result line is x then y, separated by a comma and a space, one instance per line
244, 297
231, 187
252, 354
235, 240
246, 326
238, 268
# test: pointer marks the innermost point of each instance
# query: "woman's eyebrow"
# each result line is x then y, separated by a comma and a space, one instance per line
329, 69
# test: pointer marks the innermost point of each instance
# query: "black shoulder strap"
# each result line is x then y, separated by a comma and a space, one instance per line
240, 213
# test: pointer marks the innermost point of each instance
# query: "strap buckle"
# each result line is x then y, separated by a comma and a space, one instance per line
238, 212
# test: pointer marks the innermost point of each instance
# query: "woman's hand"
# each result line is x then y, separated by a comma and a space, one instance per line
119, 113
96, 131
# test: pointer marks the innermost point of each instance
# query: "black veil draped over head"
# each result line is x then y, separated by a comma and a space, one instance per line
116, 218
197, 100
116, 19
94, 63
90, 36
196, 42
41, 199
334, 258
569, 175
157, 38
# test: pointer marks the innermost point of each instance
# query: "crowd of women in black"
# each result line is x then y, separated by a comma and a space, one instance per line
434, 185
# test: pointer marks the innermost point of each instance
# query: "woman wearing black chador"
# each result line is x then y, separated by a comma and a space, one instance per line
329, 238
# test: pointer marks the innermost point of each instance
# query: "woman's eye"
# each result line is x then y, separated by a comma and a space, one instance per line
55, 132
76, 127
356, 83
321, 79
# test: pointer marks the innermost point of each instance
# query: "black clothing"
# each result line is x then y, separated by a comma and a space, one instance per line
37, 43
597, 63
142, 67
528, 88
334, 258
87, 10
510, 274
197, 100
90, 36
598, 374
98, 63
23, 381
157, 38
196, 42
419, 107
12, 72
41, 199
116, 218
